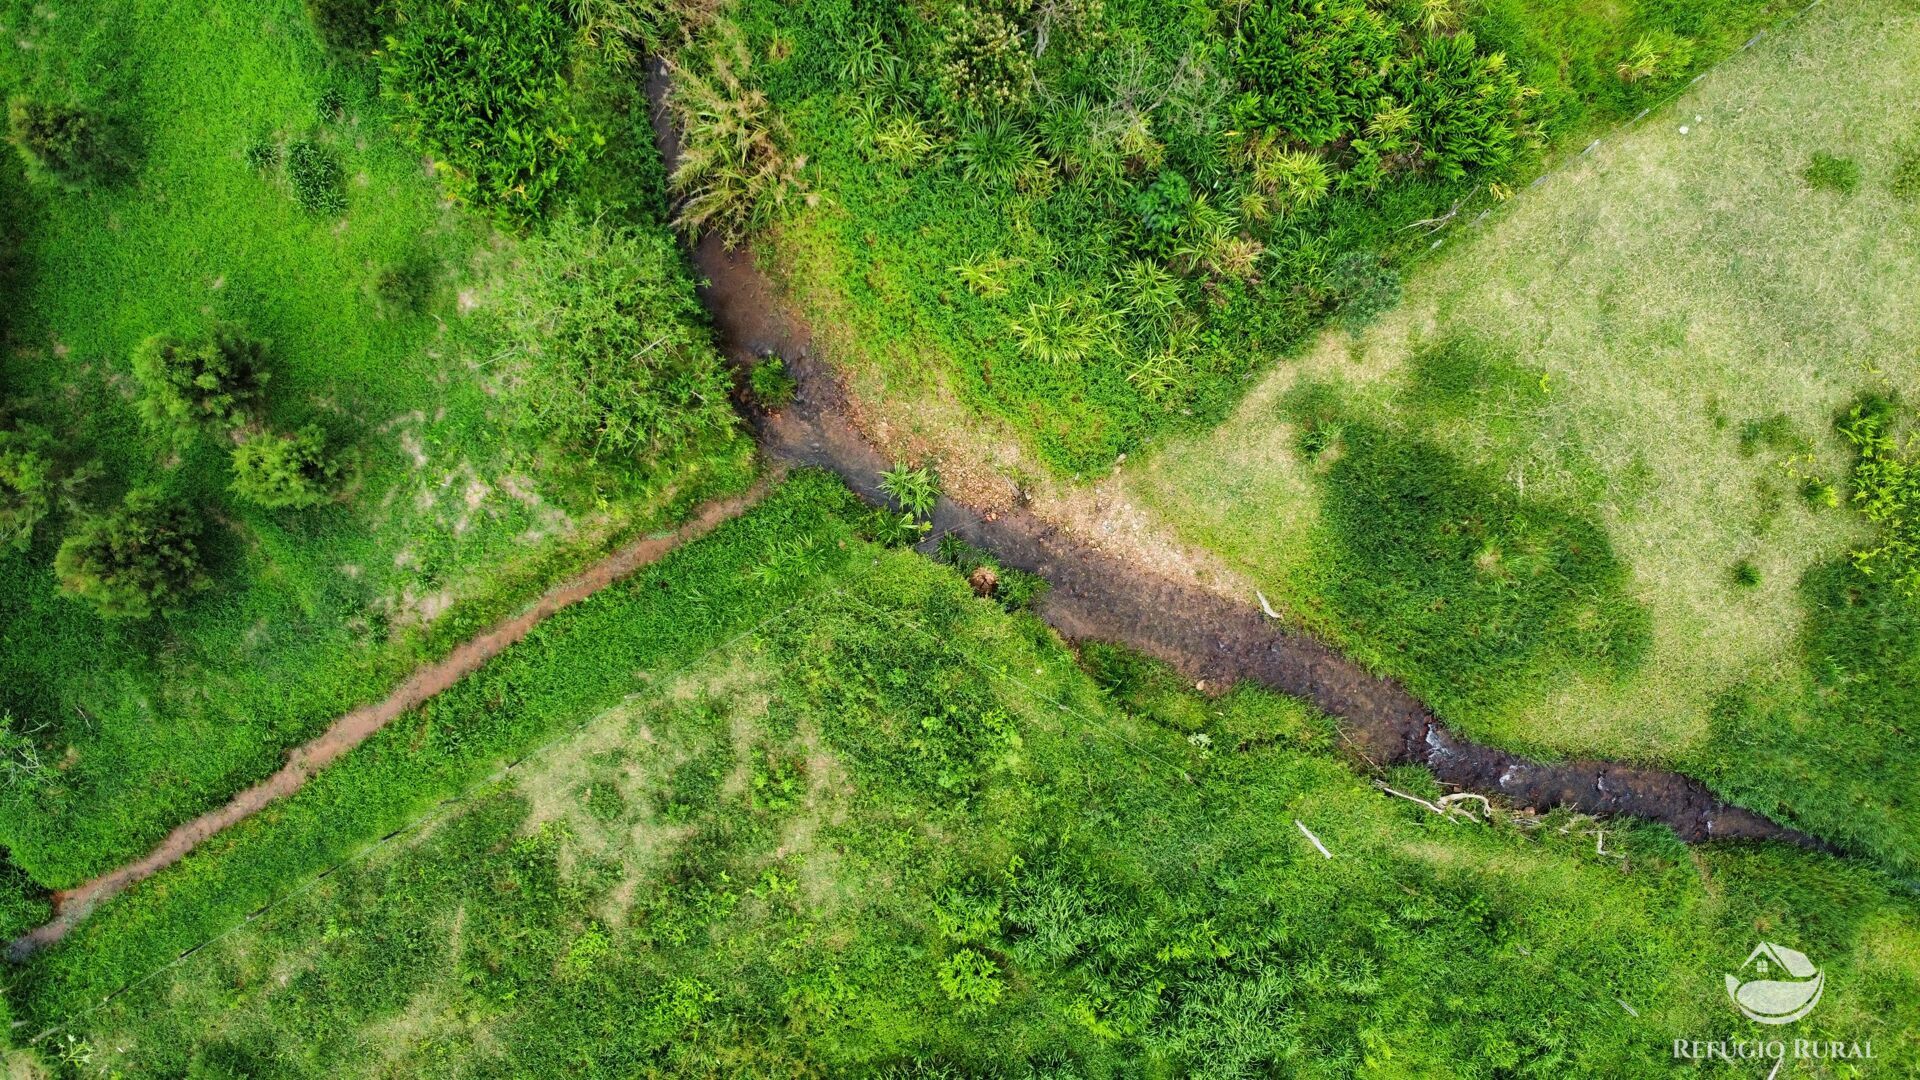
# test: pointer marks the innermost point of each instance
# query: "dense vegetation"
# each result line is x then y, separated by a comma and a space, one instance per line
1095, 220
1630, 472
895, 829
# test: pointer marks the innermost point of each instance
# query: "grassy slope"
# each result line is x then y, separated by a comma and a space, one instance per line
874, 266
758, 859
314, 612
1623, 323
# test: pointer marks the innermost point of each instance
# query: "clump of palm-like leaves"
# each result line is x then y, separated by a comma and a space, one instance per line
915, 491
1655, 55
1283, 180
735, 174
986, 275
900, 139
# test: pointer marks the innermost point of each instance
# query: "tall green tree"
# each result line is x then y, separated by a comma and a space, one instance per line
141, 559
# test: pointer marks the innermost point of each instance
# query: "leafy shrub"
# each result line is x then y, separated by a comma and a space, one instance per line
971, 979
331, 106
139, 559
1014, 589
482, 86
22, 765
914, 490
23, 906
27, 483
284, 471
1906, 178
1745, 574
982, 56
315, 177
349, 27
772, 386
735, 174
1465, 108
998, 151
212, 382
890, 529
1886, 488
610, 353
64, 144
1829, 173
263, 153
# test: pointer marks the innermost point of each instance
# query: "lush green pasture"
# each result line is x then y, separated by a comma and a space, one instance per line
1564, 489
1108, 250
377, 305
830, 814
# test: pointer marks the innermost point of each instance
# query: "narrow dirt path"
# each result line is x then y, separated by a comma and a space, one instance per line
1094, 596
349, 731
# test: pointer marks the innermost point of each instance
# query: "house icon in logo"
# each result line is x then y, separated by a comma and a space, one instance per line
1776, 985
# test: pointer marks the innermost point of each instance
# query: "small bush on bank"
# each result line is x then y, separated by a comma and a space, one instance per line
735, 174
284, 471
315, 177
27, 483
404, 288
483, 88
1886, 488
915, 491
212, 382
140, 559
772, 385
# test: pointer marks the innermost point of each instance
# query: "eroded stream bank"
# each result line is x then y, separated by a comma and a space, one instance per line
1095, 596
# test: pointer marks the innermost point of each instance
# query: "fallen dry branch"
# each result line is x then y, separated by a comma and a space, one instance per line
1308, 833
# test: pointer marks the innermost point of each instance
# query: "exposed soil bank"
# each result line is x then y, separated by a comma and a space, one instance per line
1203, 635
72, 905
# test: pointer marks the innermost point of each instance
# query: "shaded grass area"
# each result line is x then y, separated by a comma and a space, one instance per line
1656, 342
373, 299
896, 830
1431, 564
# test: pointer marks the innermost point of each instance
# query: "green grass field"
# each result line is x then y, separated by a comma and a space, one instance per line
795, 801
830, 814
449, 518
1549, 490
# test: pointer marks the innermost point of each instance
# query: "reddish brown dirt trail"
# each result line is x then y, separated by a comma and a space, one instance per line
349, 731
